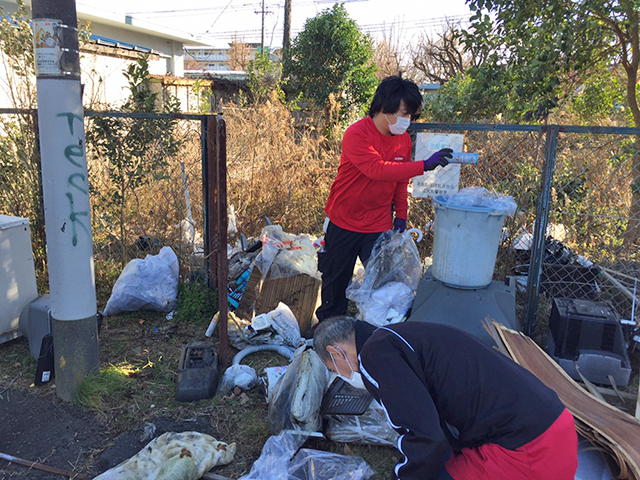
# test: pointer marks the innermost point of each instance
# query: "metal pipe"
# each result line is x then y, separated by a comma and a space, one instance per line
539, 233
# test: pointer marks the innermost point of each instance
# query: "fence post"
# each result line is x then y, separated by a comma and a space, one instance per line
215, 190
540, 229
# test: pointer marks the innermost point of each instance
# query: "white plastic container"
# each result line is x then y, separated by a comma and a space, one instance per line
17, 274
465, 244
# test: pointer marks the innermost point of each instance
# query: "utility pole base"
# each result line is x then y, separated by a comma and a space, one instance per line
75, 347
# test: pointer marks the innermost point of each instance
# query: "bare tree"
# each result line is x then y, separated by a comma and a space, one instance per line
388, 55
442, 58
239, 55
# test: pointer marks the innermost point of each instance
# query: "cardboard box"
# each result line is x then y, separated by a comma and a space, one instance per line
301, 293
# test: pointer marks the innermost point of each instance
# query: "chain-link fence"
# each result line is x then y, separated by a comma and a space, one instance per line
576, 231
146, 182
579, 186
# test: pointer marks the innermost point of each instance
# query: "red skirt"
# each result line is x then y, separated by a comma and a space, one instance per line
551, 456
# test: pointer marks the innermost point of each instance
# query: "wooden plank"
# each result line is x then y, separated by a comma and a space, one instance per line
612, 429
301, 293
45, 468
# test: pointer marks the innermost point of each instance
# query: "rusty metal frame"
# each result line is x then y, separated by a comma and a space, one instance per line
214, 170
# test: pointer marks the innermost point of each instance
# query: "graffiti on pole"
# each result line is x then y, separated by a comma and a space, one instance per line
76, 182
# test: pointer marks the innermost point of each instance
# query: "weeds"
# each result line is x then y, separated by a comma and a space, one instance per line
196, 302
110, 385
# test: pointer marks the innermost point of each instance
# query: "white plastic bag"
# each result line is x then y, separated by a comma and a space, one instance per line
385, 292
285, 255
480, 197
146, 284
276, 462
285, 324
242, 376
370, 428
318, 465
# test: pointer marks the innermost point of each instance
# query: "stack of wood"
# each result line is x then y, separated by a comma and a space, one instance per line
613, 431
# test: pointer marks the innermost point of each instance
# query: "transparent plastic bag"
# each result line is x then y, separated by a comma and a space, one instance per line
386, 290
480, 197
273, 463
318, 465
370, 428
149, 283
285, 255
297, 396
276, 462
242, 376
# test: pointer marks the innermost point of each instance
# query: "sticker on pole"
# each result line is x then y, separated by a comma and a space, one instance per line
47, 47
442, 180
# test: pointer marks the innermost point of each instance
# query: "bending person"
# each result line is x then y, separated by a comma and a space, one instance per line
463, 410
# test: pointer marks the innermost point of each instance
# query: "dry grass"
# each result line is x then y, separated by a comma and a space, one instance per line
277, 170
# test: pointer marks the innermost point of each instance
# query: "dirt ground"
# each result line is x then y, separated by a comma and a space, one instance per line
37, 426
58, 434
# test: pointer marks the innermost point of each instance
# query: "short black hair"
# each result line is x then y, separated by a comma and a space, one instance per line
389, 93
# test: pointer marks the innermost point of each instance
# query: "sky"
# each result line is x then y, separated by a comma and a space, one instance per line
217, 21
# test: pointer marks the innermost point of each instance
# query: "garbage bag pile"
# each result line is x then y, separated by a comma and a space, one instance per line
279, 461
284, 254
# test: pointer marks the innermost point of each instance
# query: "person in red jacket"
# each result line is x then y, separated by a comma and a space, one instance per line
375, 169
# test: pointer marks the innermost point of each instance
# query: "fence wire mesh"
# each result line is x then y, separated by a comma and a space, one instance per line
145, 178
592, 235
146, 185
144, 168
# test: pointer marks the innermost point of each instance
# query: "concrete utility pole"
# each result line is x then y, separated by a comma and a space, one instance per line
262, 12
66, 194
286, 39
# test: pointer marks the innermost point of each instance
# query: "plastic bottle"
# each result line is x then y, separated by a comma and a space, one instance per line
212, 325
464, 158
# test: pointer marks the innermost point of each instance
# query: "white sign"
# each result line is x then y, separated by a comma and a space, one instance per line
441, 180
47, 44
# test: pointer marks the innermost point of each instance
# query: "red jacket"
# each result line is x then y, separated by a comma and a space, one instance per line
373, 174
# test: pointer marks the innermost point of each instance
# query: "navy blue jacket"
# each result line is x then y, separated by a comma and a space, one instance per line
442, 388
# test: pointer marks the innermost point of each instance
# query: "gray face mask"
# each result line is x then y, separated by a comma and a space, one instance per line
355, 379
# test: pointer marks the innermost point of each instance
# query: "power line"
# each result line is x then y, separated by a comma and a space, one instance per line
368, 28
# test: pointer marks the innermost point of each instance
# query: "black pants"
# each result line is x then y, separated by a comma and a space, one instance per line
341, 249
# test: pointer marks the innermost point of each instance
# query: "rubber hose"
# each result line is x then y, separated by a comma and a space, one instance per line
286, 352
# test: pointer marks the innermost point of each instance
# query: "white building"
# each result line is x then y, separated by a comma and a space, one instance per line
116, 41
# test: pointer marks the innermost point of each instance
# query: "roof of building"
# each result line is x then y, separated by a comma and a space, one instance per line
126, 22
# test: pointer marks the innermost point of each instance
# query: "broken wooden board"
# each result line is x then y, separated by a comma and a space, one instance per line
616, 432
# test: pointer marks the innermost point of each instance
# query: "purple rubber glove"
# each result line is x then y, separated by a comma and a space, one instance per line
438, 159
399, 225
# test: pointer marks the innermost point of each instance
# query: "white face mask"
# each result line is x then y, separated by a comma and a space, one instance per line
355, 379
401, 125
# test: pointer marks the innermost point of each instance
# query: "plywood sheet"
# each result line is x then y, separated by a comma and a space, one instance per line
616, 432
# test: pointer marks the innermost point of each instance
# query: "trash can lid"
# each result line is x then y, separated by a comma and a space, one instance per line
444, 201
7, 221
